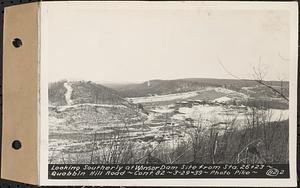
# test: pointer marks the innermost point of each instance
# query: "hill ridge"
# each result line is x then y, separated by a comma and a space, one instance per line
65, 92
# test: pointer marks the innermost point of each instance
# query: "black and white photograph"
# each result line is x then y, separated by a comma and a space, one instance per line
168, 84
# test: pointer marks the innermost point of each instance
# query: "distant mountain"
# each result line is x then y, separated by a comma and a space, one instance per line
90, 92
157, 87
161, 87
83, 92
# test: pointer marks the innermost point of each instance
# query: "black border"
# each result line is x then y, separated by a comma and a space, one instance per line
12, 184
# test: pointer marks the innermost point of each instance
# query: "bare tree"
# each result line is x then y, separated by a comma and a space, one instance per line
259, 74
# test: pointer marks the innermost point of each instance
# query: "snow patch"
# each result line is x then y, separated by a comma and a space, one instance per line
62, 108
158, 98
222, 113
196, 112
279, 115
222, 99
230, 92
185, 95
163, 109
68, 94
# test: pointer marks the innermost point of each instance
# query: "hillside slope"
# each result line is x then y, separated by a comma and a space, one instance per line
86, 106
56, 93
89, 92
81, 92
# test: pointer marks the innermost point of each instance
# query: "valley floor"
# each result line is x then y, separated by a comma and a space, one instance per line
212, 125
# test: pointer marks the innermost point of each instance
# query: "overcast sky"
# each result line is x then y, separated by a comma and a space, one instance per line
133, 44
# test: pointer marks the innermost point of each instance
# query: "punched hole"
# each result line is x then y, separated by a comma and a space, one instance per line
16, 144
17, 43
